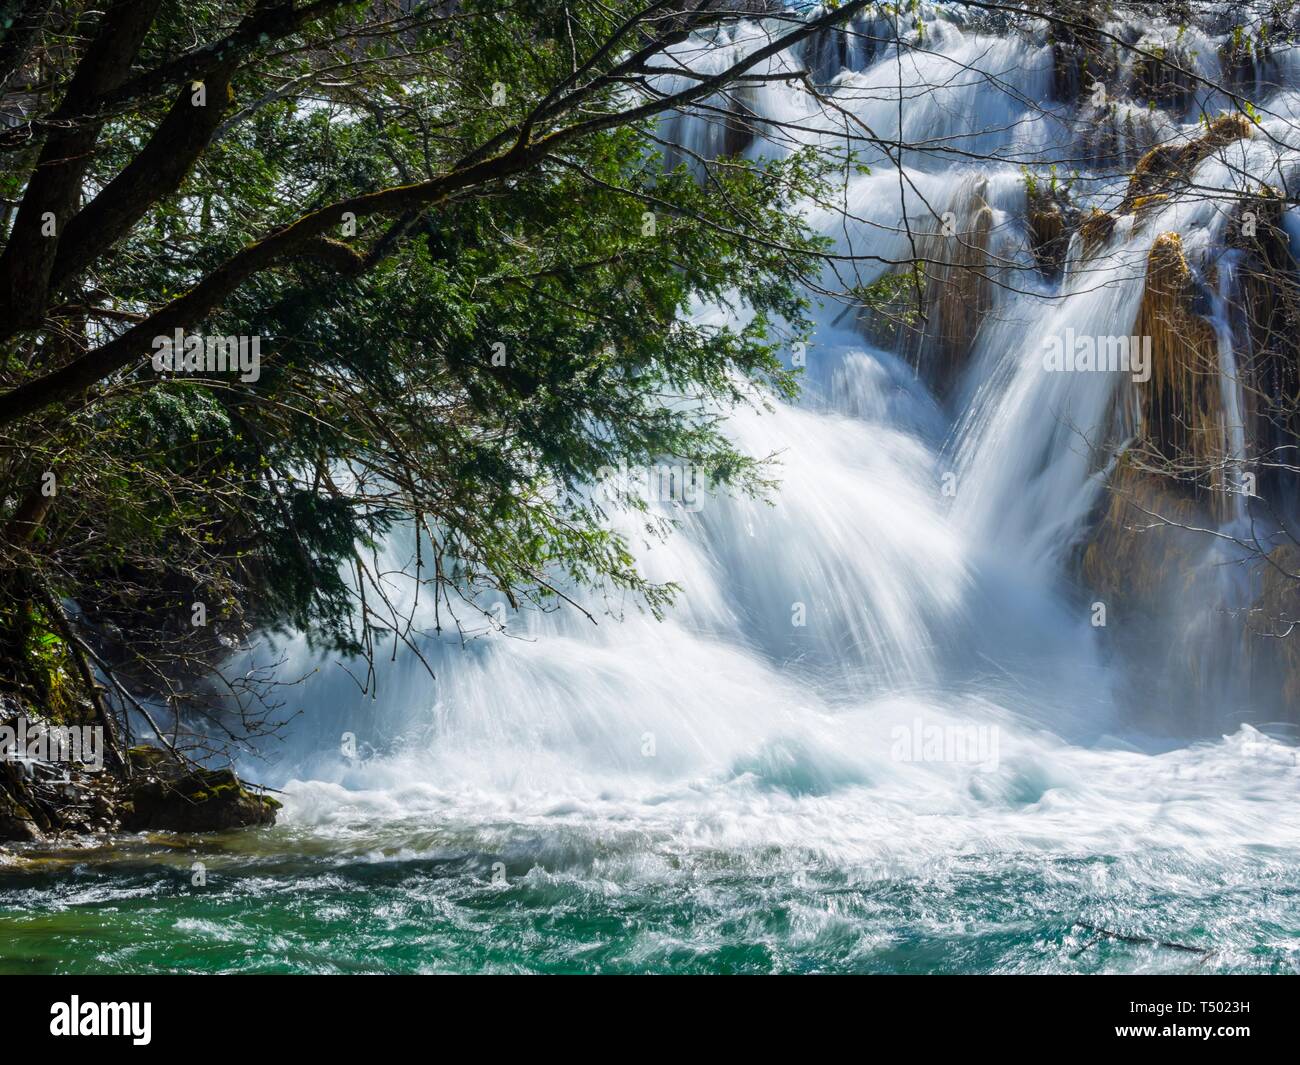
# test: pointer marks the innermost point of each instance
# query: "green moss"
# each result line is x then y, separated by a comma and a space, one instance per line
144, 757
41, 659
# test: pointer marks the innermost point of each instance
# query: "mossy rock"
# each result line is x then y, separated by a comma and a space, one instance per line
1049, 237
146, 759
1168, 166
1096, 229
16, 823
206, 800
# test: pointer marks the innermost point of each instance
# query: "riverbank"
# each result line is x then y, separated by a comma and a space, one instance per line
59, 782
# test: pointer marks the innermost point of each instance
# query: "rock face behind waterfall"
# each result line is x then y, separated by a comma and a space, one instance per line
958, 292
1184, 426
934, 319
1181, 480
1268, 334
1144, 549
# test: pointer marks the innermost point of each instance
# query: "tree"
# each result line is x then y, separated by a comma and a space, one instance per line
458, 263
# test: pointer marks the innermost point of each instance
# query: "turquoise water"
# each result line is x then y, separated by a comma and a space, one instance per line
276, 914
566, 892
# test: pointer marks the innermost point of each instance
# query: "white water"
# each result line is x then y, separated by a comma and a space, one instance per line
921, 609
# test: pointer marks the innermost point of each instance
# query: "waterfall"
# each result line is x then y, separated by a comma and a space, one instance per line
912, 583
997, 678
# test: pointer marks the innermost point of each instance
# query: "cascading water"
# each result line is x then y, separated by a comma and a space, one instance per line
767, 779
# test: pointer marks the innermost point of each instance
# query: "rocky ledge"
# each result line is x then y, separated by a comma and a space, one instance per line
156, 792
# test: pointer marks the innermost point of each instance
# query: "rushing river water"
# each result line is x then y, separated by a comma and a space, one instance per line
879, 733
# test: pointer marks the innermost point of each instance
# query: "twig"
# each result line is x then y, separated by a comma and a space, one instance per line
1106, 933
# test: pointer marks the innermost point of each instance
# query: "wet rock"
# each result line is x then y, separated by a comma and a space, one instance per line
1165, 77
1081, 55
40, 801
204, 800
1266, 336
146, 759
957, 286
1134, 558
1185, 428
1051, 221
1269, 638
21, 817
17, 825
1167, 166
1096, 230
1181, 473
